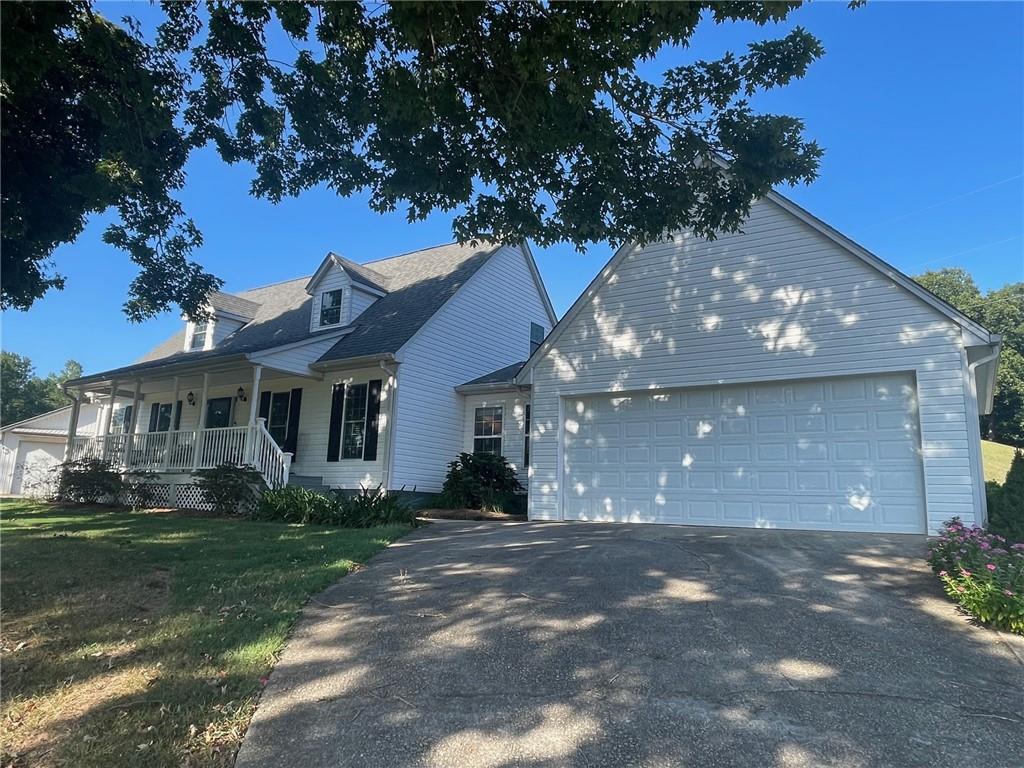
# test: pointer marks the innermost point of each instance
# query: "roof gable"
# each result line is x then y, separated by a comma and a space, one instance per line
847, 246
360, 275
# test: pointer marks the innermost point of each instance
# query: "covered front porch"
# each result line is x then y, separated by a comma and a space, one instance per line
176, 420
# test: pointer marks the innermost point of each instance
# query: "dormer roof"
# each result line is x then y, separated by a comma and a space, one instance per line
359, 274
236, 306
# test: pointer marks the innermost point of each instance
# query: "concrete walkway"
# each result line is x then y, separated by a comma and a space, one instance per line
525, 644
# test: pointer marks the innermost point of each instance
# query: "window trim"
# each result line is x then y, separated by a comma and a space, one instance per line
340, 305
207, 335
345, 420
500, 436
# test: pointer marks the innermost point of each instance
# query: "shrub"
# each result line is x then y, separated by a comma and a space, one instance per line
365, 509
1006, 502
232, 489
476, 480
981, 572
88, 481
292, 504
139, 491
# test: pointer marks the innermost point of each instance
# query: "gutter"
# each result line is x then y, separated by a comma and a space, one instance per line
355, 362
129, 372
990, 390
492, 386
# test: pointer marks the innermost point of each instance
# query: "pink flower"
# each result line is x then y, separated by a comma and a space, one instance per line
1019, 545
985, 545
1008, 593
943, 574
990, 566
964, 572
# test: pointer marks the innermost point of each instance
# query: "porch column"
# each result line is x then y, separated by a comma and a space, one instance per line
254, 404
128, 452
201, 424
108, 416
76, 407
171, 439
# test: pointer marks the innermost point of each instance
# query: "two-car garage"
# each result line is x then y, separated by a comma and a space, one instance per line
826, 454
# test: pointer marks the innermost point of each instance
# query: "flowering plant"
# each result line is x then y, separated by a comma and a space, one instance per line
982, 572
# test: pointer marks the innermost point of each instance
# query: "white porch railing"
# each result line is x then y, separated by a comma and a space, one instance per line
190, 449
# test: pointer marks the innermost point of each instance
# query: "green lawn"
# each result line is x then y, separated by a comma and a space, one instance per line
996, 459
144, 639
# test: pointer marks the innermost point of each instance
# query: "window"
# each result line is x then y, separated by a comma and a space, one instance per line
160, 417
526, 436
536, 336
353, 428
330, 307
487, 430
199, 333
121, 419
277, 420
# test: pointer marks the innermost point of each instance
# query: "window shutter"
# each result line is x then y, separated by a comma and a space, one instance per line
154, 416
177, 416
372, 419
291, 439
264, 411
334, 432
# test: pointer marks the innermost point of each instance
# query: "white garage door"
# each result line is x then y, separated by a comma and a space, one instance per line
33, 467
828, 454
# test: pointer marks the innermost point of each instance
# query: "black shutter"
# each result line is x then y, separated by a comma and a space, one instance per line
372, 418
334, 430
154, 416
291, 439
264, 412
177, 416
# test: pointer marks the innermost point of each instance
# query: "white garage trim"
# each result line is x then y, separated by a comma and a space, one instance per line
813, 453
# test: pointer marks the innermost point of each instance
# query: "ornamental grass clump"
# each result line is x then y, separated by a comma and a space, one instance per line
983, 572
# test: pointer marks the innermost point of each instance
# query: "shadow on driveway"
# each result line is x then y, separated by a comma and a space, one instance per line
545, 644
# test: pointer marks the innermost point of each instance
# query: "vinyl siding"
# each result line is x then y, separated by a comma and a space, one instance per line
296, 359
512, 427
358, 303
222, 328
314, 422
334, 279
779, 301
483, 327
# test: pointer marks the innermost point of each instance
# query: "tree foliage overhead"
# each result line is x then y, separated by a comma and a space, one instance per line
1000, 311
528, 120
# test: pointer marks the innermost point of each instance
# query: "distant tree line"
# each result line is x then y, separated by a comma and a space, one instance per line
23, 394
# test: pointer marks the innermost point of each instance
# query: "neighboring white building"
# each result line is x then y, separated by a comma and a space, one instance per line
31, 448
779, 377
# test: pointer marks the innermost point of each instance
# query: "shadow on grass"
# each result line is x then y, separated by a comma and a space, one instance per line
133, 638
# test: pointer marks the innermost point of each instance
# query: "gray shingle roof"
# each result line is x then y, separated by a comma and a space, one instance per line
236, 305
500, 376
360, 273
418, 284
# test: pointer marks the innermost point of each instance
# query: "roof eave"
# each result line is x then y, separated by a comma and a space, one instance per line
491, 387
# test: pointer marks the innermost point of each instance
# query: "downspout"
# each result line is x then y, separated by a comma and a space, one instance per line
972, 373
385, 470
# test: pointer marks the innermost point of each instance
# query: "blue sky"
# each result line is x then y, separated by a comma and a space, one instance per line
919, 106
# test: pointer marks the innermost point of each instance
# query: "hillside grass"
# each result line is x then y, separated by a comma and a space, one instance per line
996, 459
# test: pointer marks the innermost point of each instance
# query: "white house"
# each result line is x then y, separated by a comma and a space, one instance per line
343, 379
778, 377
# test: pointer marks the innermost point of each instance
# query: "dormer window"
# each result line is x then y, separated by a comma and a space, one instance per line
330, 307
199, 334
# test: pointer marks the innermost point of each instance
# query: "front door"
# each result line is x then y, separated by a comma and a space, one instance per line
218, 412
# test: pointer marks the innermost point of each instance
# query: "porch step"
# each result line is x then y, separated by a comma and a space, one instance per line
311, 482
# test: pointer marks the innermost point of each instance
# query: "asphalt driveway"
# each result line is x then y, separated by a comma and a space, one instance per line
487, 644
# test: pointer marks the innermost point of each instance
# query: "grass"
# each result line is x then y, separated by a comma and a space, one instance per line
144, 639
996, 459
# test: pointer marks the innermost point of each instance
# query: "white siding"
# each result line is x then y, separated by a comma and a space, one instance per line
358, 303
483, 327
223, 327
314, 422
334, 279
513, 426
779, 301
296, 358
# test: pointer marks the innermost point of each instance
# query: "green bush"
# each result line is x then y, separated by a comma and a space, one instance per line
139, 491
292, 504
365, 509
232, 489
1006, 502
478, 481
982, 572
88, 481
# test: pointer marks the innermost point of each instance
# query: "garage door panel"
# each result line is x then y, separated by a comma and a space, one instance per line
825, 454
